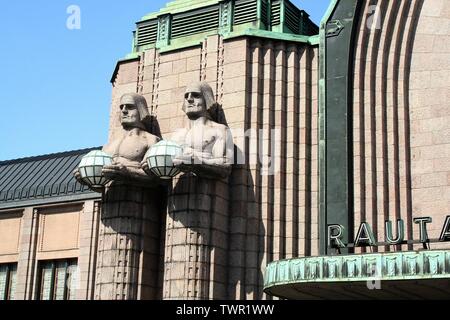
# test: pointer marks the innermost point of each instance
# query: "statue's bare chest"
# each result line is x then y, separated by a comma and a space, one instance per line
131, 147
203, 137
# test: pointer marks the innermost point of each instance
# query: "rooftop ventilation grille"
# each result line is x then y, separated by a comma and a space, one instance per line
147, 33
292, 18
265, 12
245, 11
193, 22
275, 13
308, 27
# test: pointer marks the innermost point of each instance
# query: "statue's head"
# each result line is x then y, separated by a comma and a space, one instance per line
134, 113
198, 99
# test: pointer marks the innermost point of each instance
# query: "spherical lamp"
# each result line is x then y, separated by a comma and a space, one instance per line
91, 166
160, 156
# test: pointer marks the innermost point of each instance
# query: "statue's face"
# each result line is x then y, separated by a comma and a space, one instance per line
194, 102
129, 113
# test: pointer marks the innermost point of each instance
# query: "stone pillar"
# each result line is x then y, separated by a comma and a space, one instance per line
27, 255
196, 240
88, 250
129, 244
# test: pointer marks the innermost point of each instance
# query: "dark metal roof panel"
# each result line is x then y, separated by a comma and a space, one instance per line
41, 178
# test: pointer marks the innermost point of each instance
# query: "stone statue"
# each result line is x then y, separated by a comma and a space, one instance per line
129, 146
207, 159
130, 210
207, 145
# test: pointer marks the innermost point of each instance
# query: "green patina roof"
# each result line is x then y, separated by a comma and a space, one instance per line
185, 23
180, 6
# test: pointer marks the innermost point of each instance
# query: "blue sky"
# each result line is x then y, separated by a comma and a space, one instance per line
54, 85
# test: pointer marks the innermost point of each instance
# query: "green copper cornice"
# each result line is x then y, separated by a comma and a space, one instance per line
314, 40
196, 40
180, 6
272, 35
291, 278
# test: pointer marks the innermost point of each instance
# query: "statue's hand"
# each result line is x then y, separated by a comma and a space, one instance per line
185, 158
201, 156
194, 157
178, 161
144, 166
188, 150
114, 171
77, 175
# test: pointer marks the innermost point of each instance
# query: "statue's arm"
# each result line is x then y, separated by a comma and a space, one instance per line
129, 172
133, 171
214, 165
110, 147
144, 165
223, 149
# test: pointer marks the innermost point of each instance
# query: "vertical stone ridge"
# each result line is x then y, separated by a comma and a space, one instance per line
203, 60
92, 214
306, 155
254, 244
314, 168
387, 116
140, 79
277, 155
155, 84
382, 158
264, 141
292, 153
417, 8
220, 70
383, 130
376, 160
398, 107
359, 123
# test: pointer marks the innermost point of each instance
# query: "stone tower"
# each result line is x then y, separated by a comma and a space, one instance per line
261, 59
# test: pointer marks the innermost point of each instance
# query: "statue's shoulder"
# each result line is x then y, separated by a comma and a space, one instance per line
179, 135
151, 138
217, 125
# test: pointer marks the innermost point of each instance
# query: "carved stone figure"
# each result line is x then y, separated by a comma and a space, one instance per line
128, 147
198, 203
207, 145
130, 217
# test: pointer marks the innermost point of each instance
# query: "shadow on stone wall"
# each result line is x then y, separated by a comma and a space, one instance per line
214, 229
247, 237
130, 243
